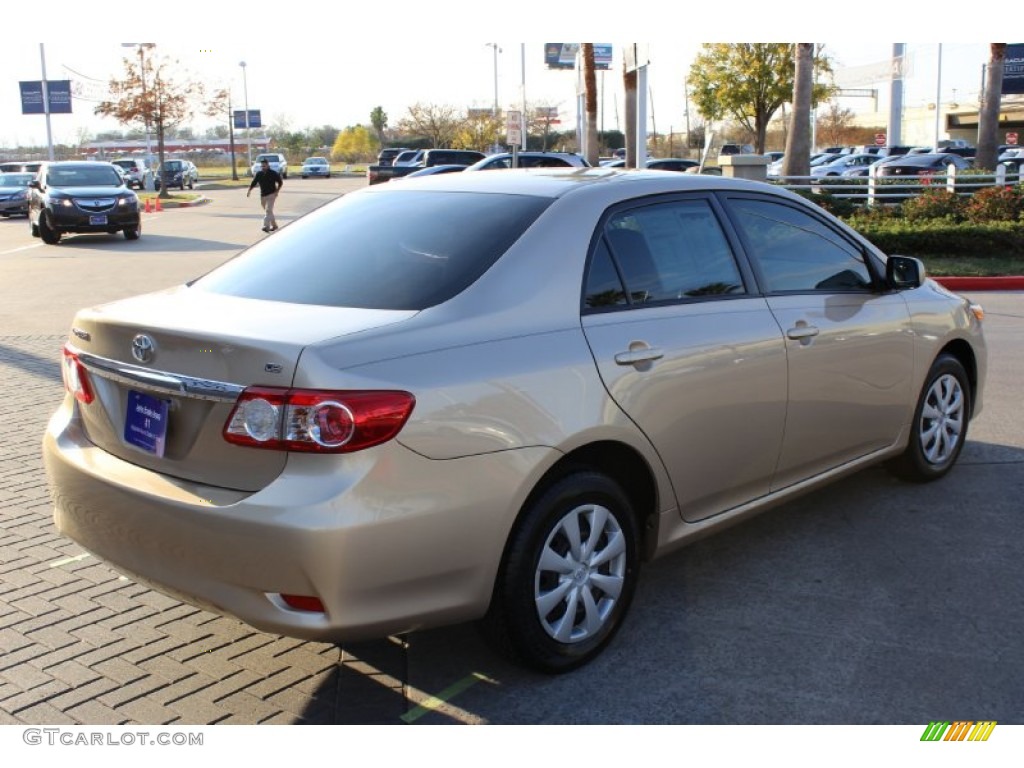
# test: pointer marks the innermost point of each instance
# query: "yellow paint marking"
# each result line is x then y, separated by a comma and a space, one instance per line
434, 702
75, 559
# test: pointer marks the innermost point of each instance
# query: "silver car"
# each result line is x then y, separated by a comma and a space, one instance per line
493, 396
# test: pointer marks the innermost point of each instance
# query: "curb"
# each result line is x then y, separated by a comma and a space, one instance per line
1010, 283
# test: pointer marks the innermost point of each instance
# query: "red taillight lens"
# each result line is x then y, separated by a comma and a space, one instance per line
76, 379
316, 420
304, 603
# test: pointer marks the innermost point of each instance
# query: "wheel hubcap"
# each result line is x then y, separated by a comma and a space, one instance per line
942, 420
581, 573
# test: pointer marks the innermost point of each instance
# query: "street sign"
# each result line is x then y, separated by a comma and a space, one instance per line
1011, 137
254, 119
880, 139
514, 128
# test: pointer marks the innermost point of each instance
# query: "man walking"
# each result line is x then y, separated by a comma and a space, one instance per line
270, 182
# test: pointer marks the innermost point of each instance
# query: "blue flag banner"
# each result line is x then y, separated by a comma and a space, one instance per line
58, 91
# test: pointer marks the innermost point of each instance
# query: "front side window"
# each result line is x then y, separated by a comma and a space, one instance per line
669, 252
795, 252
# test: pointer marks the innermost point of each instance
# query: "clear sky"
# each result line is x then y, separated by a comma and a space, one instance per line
315, 66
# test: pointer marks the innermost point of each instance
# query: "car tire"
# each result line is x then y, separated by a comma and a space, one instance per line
49, 235
133, 233
573, 549
939, 428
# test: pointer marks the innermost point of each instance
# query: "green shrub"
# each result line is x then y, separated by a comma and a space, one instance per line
941, 237
995, 204
934, 203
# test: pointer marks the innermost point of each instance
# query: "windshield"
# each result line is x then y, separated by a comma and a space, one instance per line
316, 161
359, 252
172, 165
83, 176
15, 179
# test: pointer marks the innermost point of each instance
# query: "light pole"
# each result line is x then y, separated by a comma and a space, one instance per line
148, 178
497, 50
245, 94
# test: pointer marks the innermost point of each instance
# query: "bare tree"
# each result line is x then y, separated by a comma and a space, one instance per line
590, 91
438, 123
797, 160
988, 117
149, 95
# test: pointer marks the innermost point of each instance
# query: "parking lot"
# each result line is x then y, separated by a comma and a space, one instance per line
871, 601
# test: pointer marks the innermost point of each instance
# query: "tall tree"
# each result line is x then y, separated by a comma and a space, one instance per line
835, 124
797, 160
590, 101
379, 121
988, 117
748, 82
149, 94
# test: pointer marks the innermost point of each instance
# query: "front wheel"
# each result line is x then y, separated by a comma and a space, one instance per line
133, 233
939, 429
568, 575
49, 235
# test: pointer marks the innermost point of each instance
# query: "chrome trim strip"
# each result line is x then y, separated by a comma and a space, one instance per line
161, 381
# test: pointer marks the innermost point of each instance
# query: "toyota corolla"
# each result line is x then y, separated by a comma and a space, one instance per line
493, 396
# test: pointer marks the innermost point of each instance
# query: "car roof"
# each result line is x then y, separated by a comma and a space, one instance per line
559, 182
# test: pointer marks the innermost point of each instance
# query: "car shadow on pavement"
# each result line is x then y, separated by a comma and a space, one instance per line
831, 608
147, 243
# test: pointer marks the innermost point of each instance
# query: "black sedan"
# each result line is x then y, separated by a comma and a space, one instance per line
84, 197
935, 164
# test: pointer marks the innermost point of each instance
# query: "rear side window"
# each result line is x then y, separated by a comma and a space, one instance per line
393, 250
796, 252
667, 252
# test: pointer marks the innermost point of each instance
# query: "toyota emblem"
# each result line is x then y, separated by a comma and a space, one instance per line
143, 348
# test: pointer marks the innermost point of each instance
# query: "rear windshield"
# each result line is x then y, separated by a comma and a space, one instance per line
398, 250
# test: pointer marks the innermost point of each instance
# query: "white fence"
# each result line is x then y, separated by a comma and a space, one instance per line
879, 190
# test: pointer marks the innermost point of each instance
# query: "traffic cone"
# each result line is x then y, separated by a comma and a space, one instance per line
159, 207
149, 205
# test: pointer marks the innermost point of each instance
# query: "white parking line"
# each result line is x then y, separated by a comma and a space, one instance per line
23, 248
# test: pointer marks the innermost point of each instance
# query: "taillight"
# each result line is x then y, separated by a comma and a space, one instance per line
76, 378
317, 420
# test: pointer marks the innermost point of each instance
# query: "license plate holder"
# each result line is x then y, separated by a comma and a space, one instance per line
145, 424
98, 221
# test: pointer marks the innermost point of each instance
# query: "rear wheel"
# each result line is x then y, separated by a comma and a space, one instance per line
49, 235
568, 576
939, 429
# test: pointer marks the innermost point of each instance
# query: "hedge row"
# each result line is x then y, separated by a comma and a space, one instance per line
938, 237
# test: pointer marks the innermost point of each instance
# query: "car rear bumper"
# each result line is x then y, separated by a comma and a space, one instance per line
389, 541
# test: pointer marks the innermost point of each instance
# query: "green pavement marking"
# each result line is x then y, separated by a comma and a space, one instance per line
450, 692
75, 559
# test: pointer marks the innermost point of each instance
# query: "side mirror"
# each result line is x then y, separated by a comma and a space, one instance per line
35, 184
904, 272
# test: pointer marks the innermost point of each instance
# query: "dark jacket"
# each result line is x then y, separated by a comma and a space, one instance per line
270, 181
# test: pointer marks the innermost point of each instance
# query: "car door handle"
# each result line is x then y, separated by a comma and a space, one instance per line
801, 332
639, 355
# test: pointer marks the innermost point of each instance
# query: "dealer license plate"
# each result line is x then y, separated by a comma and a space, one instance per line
145, 424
